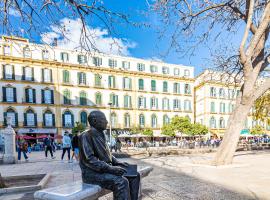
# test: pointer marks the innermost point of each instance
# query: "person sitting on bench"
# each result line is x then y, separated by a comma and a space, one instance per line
101, 168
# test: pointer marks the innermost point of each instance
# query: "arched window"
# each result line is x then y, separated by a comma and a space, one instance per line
221, 122
187, 89
166, 120
30, 118
154, 121
83, 99
66, 77
83, 117
12, 115
212, 122
141, 102
154, 103
187, 105
67, 96
68, 119
81, 78
98, 99
127, 120
114, 120
48, 119
141, 120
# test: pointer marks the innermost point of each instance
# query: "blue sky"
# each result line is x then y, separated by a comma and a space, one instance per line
137, 41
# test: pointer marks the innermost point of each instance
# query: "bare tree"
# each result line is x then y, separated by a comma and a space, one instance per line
201, 21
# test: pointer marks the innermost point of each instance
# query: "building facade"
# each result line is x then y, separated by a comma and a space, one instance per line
46, 89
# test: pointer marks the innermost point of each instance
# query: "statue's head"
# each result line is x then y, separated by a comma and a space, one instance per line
97, 120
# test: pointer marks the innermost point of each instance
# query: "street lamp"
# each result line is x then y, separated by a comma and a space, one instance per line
110, 119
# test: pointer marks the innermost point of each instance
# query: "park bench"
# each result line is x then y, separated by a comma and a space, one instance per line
79, 190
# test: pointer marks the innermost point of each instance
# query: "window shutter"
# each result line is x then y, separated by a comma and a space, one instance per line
33, 74
113, 82
5, 119
16, 119
13, 72
163, 104
4, 94
44, 119
168, 103
23, 74
52, 97
138, 102
144, 102
62, 56
14, 95
53, 120
34, 95
51, 77
67, 57
4, 71
78, 78
24, 119
110, 84
130, 102
42, 96
63, 120
116, 99
26, 95
156, 103
124, 83
35, 116
42, 74
72, 120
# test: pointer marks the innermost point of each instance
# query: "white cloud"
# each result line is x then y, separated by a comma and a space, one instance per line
13, 12
71, 30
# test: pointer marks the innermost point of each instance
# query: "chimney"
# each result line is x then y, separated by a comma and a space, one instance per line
54, 42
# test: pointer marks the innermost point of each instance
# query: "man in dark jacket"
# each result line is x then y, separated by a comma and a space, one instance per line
48, 143
99, 166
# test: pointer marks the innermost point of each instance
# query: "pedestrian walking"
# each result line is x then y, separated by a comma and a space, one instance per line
66, 146
48, 143
22, 147
75, 146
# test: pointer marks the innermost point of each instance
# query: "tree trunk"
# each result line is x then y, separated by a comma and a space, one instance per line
2, 184
224, 155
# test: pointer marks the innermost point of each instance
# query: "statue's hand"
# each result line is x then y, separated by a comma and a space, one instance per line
119, 171
123, 164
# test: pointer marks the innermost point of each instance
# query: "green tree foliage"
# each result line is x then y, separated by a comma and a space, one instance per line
199, 129
262, 108
78, 128
144, 131
168, 129
257, 130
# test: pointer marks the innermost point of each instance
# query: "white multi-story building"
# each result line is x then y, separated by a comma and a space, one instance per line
46, 89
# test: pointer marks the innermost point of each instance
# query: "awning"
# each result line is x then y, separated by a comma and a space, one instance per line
37, 131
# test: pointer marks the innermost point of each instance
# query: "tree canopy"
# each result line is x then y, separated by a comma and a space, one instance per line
257, 130
78, 128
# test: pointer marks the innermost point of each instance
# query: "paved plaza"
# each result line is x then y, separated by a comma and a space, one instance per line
173, 178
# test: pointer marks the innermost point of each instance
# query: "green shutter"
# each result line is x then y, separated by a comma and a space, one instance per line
63, 120
157, 103
13, 72
24, 119
26, 95
4, 94
5, 119
14, 95
16, 119
44, 119
51, 76
78, 77
53, 118
4, 71
42, 73
52, 97
144, 102
42, 96
23, 75
34, 95
35, 116
33, 74
72, 120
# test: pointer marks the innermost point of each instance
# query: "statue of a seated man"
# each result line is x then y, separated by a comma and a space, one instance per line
99, 166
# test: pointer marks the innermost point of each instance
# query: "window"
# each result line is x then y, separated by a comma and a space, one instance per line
98, 99
165, 104
153, 85
28, 74
7, 50
30, 95
141, 67
30, 118
112, 63
127, 83
222, 108
187, 105
83, 117
98, 80
81, 78
64, 56
127, 101
66, 76
212, 122
187, 89
231, 93
111, 82
127, 120
10, 113
47, 96
176, 71
166, 120
68, 119
47, 75
165, 70
221, 123
176, 104
165, 86
83, 98
9, 94
213, 92
141, 120
230, 107
26, 52
45, 55
213, 107
9, 72
221, 93
97, 61
48, 119
141, 84
154, 121
153, 68
67, 97
237, 93
114, 100
176, 88
154, 103
141, 102
82, 59
186, 73
125, 64
114, 120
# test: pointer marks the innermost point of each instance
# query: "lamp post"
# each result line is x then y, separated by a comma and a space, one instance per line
110, 119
